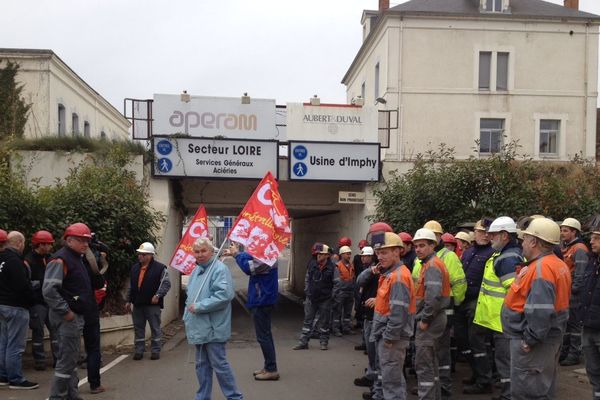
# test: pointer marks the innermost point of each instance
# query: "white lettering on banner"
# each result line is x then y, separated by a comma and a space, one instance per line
197, 229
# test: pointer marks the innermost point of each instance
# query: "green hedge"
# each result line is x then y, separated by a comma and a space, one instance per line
454, 192
102, 194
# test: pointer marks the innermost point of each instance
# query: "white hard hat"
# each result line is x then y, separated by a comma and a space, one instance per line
572, 223
503, 224
146, 248
425, 234
345, 249
545, 229
367, 251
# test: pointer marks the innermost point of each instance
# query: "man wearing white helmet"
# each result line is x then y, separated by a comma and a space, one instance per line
498, 275
148, 286
343, 293
575, 255
432, 298
535, 313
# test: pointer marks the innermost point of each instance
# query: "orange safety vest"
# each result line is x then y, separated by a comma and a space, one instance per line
434, 262
384, 289
553, 270
346, 271
570, 251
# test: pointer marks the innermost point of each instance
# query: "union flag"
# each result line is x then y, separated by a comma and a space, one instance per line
183, 259
263, 226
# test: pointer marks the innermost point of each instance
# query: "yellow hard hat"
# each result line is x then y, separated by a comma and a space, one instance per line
386, 239
464, 236
544, 229
434, 226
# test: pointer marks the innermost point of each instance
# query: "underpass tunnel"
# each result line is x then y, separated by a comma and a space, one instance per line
315, 212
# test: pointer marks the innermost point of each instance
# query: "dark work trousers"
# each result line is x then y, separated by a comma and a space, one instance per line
463, 322
141, 315
591, 352
426, 360
444, 356
482, 362
38, 318
91, 342
571, 346
311, 309
359, 312
343, 302
262, 326
373, 368
533, 374
65, 379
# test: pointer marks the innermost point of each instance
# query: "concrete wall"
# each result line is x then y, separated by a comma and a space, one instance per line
431, 76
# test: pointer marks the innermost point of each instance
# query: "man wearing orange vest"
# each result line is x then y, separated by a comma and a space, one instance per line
433, 297
393, 319
343, 293
535, 313
575, 254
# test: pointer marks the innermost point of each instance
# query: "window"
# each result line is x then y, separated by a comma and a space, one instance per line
502, 71
61, 120
485, 67
493, 5
491, 132
86, 129
549, 134
363, 89
376, 84
75, 124
102, 135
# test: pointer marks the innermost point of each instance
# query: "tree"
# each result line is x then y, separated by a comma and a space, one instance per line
14, 111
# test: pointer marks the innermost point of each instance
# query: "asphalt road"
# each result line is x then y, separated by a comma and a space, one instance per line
308, 374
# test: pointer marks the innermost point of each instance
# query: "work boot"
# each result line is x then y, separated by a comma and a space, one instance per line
323, 346
98, 390
469, 381
360, 347
300, 346
478, 389
570, 360
337, 333
155, 356
138, 356
367, 396
363, 381
267, 376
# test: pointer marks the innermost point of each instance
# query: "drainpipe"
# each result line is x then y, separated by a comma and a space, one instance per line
585, 88
400, 144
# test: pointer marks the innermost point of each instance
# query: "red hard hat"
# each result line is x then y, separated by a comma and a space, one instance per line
380, 227
448, 238
78, 229
3, 236
345, 241
406, 237
42, 237
363, 243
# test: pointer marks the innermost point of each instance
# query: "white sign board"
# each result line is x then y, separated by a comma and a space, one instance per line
333, 161
339, 123
214, 116
210, 158
352, 197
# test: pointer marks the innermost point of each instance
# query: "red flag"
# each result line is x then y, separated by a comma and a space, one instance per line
263, 226
183, 259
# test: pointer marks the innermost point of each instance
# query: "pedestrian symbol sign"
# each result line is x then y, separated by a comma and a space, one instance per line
165, 165
300, 169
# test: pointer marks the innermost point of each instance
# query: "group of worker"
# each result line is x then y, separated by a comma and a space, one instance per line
517, 299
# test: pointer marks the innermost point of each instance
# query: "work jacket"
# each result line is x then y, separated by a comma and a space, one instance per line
473, 261
576, 255
432, 289
210, 289
343, 277
458, 283
395, 305
536, 308
318, 284
590, 296
498, 275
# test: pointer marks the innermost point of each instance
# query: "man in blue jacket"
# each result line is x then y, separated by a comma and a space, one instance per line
207, 319
263, 288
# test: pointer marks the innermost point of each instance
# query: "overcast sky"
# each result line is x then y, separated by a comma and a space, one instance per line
281, 49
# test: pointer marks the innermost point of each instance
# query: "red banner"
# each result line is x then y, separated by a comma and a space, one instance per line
263, 226
183, 259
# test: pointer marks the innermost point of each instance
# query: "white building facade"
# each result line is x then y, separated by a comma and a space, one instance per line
478, 74
61, 102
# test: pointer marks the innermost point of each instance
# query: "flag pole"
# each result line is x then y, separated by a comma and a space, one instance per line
209, 268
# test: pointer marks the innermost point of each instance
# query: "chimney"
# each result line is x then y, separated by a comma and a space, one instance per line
385, 4
574, 4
